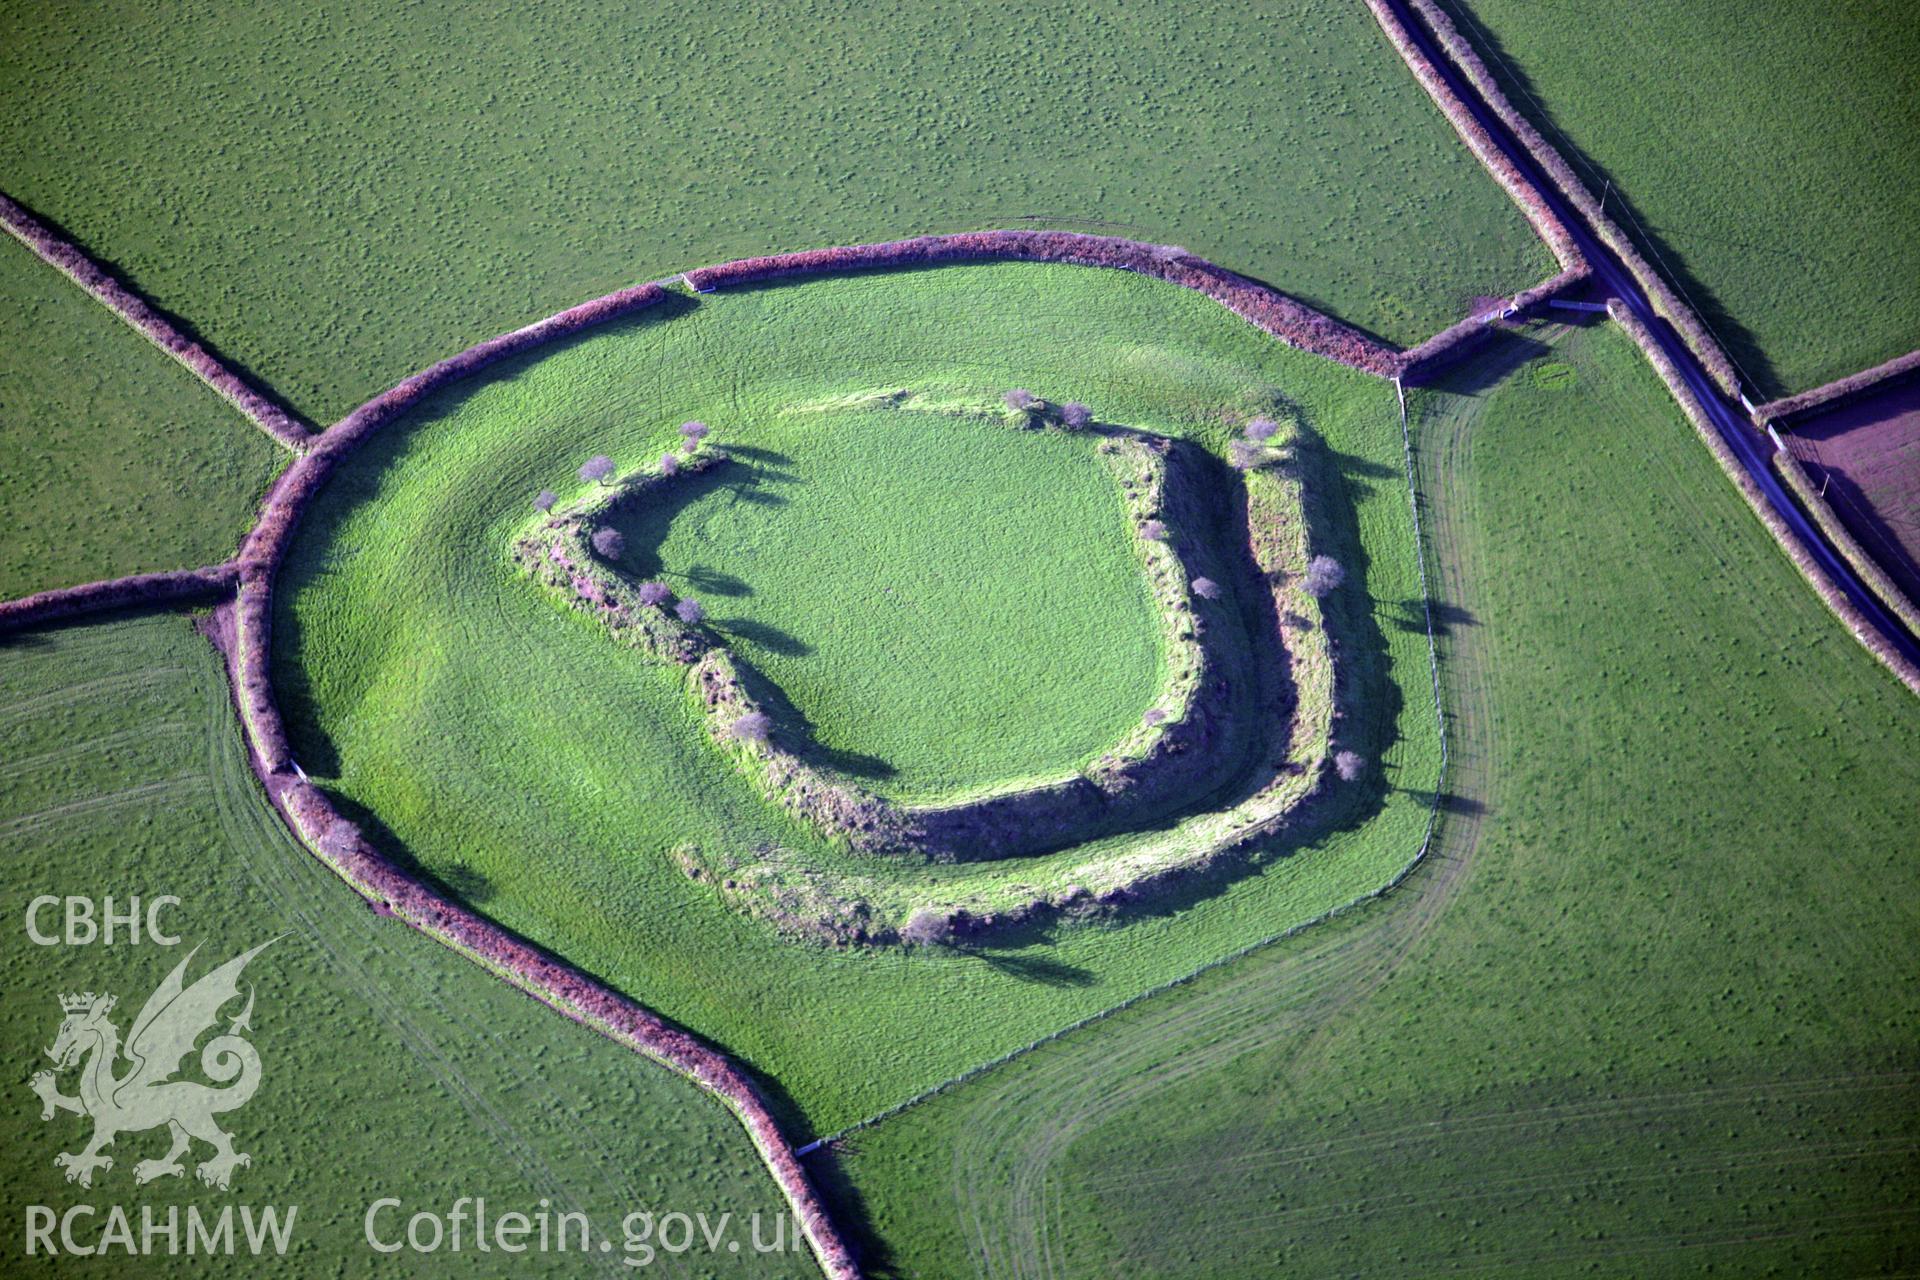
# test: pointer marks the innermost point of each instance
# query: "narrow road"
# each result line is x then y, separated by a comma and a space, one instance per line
1727, 418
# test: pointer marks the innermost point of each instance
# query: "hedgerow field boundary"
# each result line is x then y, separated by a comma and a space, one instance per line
1263, 306
1398, 878
1870, 639
1468, 61
73, 263
1795, 474
207, 585
241, 626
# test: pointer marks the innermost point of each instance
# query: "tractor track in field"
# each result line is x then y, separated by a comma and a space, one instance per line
1021, 1122
252, 833
1021, 1118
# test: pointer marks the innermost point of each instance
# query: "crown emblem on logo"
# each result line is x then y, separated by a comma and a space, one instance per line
146, 1092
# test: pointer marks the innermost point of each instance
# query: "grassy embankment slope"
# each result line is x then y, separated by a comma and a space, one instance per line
113, 459
391, 1066
408, 647
1769, 151
881, 568
1651, 1004
338, 198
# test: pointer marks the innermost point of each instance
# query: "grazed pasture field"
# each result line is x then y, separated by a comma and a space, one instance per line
1871, 450
1768, 149
881, 567
339, 196
113, 459
548, 777
1650, 1005
391, 1066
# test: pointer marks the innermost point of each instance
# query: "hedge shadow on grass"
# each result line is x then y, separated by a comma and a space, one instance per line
1367, 707
356, 481
1734, 337
1495, 362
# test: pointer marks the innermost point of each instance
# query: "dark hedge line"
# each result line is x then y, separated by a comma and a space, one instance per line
1842, 608
403, 395
1544, 221
1840, 389
335, 841
1291, 321
73, 263
1468, 60
180, 586
267, 544
1454, 343
244, 633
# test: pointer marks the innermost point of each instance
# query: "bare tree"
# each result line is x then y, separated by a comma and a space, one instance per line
610, 543
1075, 415
1261, 430
694, 432
669, 464
1021, 400
690, 610
546, 500
751, 727
1206, 588
1349, 765
1153, 717
1324, 573
598, 467
925, 926
1243, 455
655, 593
1155, 529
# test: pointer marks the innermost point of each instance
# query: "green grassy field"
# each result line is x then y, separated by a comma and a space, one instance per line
882, 567
1767, 149
113, 459
337, 198
548, 776
1650, 1007
391, 1066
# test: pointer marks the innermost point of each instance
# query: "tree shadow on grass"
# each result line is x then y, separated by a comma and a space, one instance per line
712, 582
764, 636
795, 731
1446, 801
754, 453
1408, 615
646, 520
1027, 967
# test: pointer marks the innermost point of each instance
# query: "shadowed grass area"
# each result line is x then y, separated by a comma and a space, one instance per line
427, 680
1764, 152
957, 599
1651, 1004
338, 197
113, 459
391, 1067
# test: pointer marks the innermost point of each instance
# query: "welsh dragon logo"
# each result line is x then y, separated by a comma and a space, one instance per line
147, 1095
